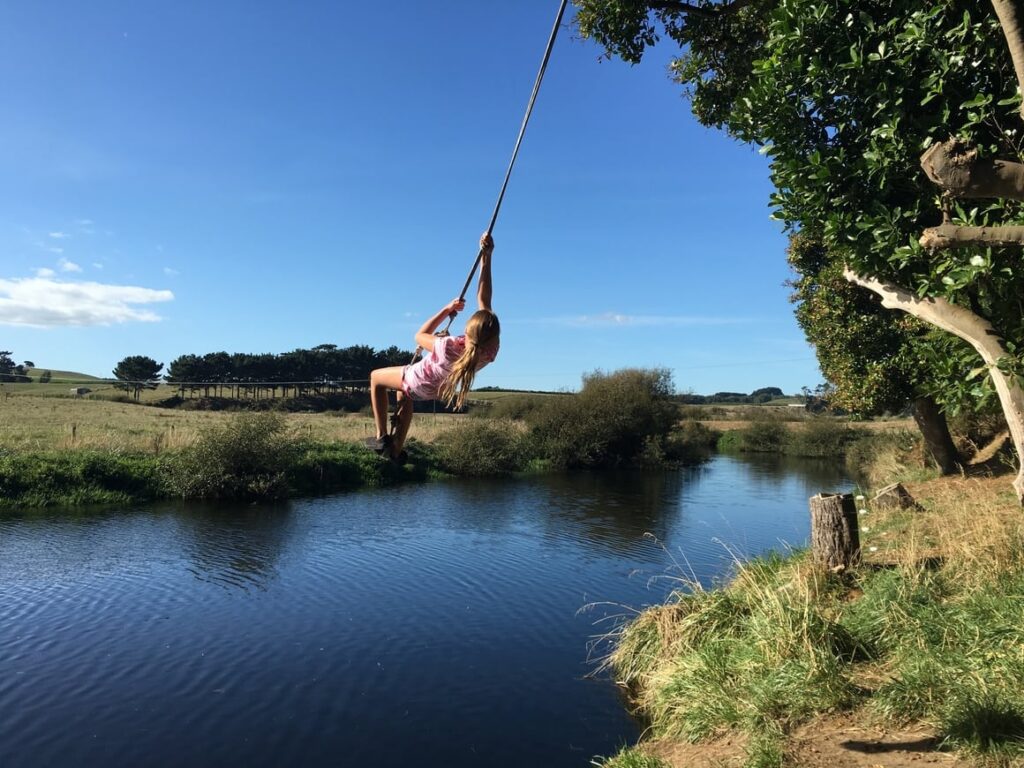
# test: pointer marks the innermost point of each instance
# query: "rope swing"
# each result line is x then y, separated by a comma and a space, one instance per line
515, 151
504, 184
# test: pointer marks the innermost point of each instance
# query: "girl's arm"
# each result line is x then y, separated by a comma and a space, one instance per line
425, 335
483, 291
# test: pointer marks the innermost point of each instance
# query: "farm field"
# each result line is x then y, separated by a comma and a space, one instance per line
38, 422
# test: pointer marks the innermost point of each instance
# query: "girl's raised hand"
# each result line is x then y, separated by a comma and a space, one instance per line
455, 306
486, 243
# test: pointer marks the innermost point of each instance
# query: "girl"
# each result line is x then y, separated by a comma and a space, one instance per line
447, 369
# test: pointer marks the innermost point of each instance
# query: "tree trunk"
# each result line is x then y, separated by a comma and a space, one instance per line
1009, 14
835, 537
955, 167
977, 332
935, 431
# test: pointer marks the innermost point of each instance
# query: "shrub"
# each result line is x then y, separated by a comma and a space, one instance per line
247, 457
690, 442
764, 437
612, 421
821, 437
483, 448
514, 407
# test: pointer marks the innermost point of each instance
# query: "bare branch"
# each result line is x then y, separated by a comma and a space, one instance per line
976, 331
948, 235
1010, 20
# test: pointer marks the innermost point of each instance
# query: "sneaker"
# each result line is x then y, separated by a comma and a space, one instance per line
378, 444
401, 458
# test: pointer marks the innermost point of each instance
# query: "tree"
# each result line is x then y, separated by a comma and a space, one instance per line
843, 97
138, 372
11, 371
45, 376
876, 360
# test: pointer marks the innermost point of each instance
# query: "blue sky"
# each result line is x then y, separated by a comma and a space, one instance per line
259, 176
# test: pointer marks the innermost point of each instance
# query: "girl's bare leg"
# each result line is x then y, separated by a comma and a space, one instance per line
381, 380
404, 420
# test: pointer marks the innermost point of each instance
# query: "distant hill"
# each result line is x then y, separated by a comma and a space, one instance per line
60, 377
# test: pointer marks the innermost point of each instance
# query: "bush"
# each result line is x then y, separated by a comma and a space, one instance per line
247, 457
481, 448
614, 420
690, 442
821, 437
514, 407
764, 437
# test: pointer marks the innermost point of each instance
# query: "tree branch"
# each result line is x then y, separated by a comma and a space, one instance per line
976, 331
954, 236
1009, 15
955, 167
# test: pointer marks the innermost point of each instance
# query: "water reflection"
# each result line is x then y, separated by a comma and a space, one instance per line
427, 624
234, 546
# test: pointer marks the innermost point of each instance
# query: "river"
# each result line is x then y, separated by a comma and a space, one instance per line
446, 624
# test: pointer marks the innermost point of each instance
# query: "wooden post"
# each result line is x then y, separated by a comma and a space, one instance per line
835, 538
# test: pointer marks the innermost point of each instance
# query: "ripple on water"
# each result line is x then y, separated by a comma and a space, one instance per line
435, 622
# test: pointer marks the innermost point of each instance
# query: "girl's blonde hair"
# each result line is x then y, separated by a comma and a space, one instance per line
481, 328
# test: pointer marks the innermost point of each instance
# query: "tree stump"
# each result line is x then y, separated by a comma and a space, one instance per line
835, 538
894, 495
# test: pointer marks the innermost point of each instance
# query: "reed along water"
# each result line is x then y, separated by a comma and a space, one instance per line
447, 624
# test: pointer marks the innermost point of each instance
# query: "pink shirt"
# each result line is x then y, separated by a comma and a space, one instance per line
422, 380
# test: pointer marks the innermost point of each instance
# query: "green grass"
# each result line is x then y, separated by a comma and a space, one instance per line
813, 437
61, 376
930, 629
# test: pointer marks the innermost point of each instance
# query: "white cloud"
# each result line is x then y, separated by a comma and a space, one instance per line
171, 272
59, 235
45, 272
618, 320
55, 250
68, 266
47, 303
97, 265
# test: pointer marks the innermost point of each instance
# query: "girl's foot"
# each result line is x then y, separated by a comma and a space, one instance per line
379, 444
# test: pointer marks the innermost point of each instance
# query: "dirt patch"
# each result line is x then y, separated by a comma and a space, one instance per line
828, 742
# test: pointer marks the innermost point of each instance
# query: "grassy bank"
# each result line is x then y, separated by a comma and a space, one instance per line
122, 453
812, 437
928, 632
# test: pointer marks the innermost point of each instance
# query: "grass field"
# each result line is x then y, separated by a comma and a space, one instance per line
40, 422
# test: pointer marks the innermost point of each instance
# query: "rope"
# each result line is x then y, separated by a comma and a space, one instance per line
515, 151
504, 185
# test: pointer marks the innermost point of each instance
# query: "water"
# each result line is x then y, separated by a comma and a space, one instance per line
444, 624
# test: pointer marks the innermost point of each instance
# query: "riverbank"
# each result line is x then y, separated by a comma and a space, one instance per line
918, 653
618, 420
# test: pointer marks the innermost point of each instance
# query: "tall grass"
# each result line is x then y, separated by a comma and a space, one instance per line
484, 448
929, 629
811, 437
